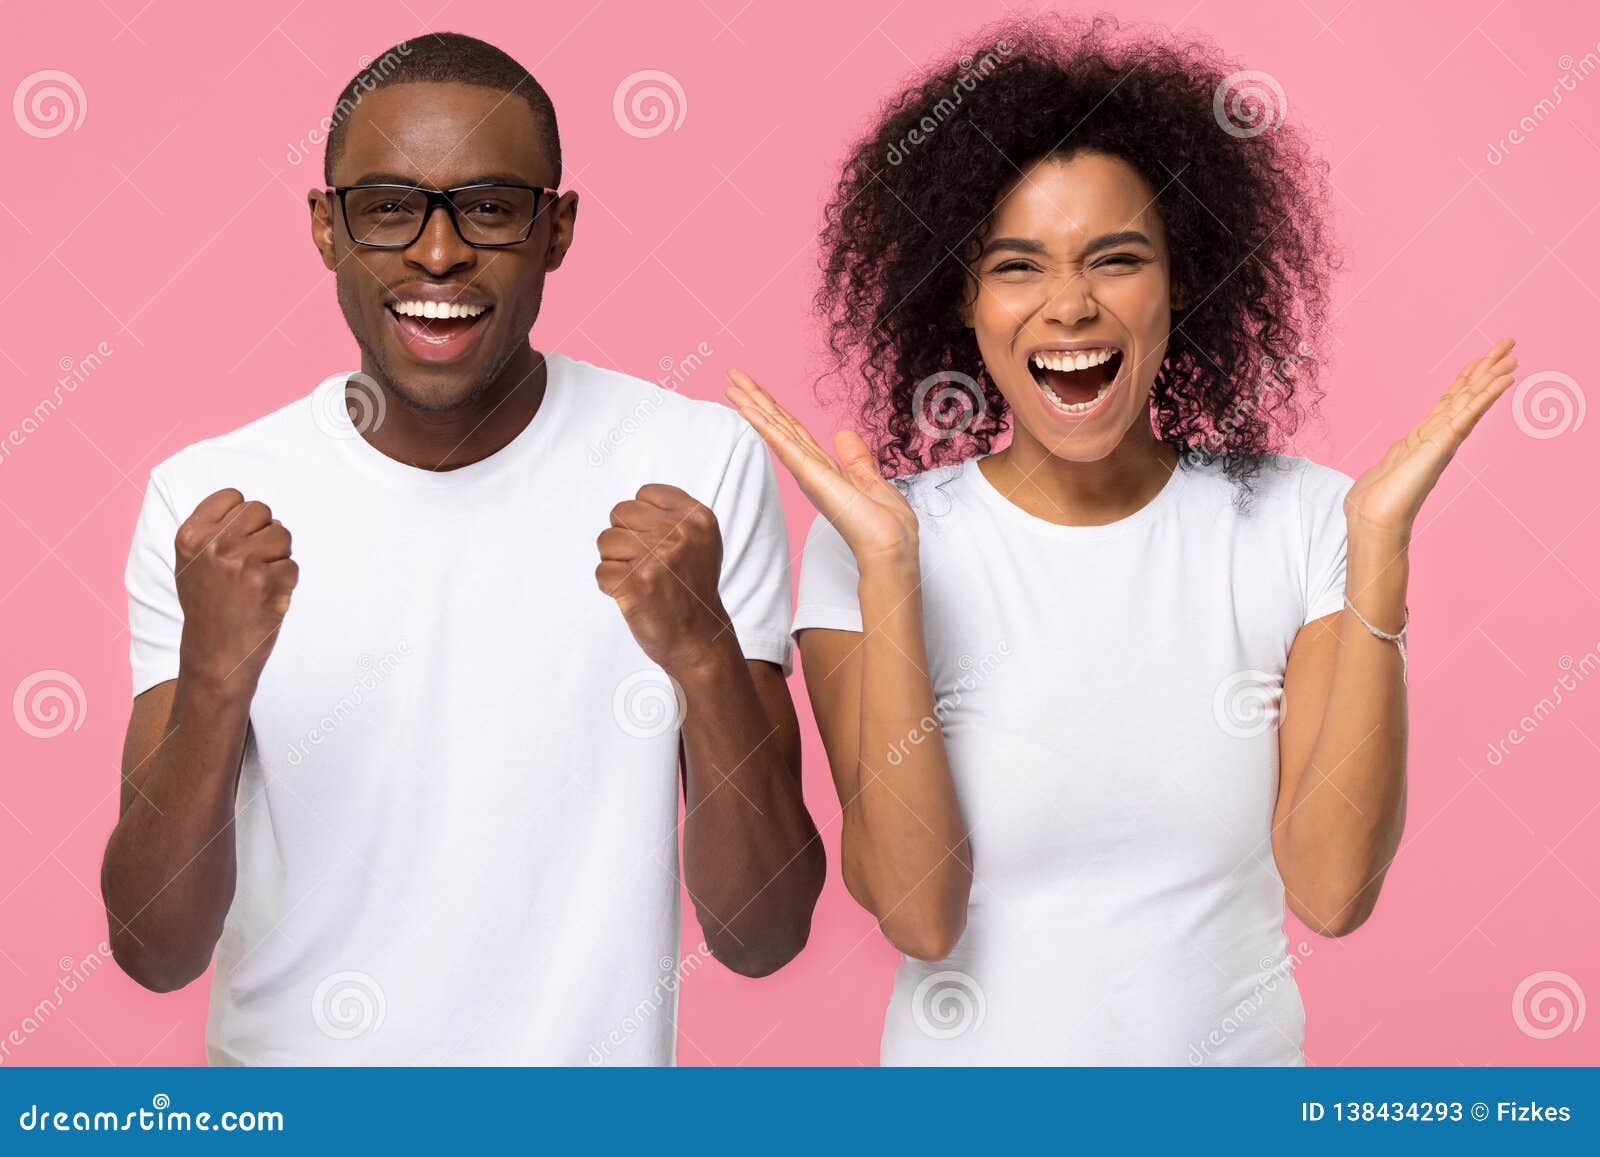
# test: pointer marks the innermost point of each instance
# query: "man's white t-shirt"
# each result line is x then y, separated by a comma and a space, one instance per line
1109, 697
457, 813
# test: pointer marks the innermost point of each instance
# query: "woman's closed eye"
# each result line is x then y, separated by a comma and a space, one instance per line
1122, 262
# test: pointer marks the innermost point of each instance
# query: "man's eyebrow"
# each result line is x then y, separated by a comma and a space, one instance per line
1029, 245
501, 178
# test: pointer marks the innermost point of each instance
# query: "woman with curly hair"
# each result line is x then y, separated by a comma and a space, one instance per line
1102, 696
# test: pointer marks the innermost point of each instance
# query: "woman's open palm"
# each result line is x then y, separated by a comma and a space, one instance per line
871, 515
1387, 498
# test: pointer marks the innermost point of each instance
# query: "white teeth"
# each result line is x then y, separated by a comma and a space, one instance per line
436, 309
1064, 362
1078, 407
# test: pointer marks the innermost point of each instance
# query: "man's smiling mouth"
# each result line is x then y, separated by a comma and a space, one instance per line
437, 331
1076, 381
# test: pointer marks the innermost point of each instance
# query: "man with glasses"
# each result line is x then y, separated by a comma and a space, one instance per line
413, 777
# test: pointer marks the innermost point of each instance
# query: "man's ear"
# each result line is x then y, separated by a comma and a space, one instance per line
563, 225
321, 224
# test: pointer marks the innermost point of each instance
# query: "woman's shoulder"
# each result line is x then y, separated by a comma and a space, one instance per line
1278, 480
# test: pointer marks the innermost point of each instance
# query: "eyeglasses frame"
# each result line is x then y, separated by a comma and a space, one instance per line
440, 198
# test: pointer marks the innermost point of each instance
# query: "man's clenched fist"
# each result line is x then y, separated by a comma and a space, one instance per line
234, 578
660, 559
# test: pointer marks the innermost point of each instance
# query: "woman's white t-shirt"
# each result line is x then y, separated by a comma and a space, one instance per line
458, 810
1109, 699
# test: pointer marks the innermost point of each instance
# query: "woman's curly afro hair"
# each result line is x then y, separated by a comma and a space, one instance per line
1242, 199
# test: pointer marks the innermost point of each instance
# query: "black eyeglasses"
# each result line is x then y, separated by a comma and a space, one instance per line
484, 216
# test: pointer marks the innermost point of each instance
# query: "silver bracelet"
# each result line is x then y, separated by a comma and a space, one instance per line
1398, 638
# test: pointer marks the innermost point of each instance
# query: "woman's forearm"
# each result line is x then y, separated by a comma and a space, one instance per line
904, 838
1349, 810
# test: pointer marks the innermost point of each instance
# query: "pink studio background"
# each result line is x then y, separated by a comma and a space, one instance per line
170, 225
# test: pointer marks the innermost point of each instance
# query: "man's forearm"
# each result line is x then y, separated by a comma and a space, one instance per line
169, 869
753, 861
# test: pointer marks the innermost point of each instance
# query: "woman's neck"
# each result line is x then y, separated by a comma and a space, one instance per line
1072, 493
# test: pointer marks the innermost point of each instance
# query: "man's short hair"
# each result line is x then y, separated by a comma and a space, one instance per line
444, 58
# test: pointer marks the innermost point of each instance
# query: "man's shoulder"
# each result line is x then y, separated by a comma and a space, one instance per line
626, 415
272, 435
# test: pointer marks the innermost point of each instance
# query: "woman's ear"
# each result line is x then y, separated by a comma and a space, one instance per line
1179, 297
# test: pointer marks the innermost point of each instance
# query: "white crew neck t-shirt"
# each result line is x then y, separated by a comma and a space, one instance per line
457, 814
1109, 699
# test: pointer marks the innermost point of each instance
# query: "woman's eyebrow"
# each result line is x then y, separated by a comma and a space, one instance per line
1029, 245
1015, 244
1110, 240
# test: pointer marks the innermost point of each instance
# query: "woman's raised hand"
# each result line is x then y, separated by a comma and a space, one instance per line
1386, 499
871, 515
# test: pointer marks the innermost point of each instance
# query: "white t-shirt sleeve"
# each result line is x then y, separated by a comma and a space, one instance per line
755, 553
828, 581
1322, 524
155, 620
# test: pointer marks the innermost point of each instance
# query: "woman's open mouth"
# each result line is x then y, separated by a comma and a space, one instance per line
437, 331
1076, 381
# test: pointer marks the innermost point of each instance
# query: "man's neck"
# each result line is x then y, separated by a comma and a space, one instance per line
450, 439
